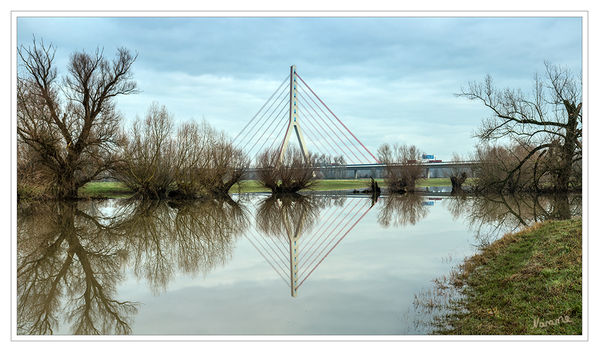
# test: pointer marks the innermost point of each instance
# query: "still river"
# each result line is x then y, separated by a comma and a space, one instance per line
251, 265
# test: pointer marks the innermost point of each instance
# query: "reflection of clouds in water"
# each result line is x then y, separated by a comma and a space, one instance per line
365, 286
71, 256
68, 266
296, 233
491, 216
402, 210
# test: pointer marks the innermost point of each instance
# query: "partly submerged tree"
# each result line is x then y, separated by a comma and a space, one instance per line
288, 174
147, 162
546, 122
402, 166
70, 126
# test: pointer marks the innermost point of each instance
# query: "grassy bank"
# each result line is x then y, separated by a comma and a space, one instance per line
104, 190
338, 185
525, 283
117, 189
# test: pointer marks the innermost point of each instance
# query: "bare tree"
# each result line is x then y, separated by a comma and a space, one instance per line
147, 155
402, 166
71, 125
545, 121
457, 175
226, 165
289, 175
497, 163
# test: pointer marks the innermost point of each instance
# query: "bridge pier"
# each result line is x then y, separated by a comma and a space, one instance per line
428, 172
355, 174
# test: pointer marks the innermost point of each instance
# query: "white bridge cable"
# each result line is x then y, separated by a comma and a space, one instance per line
341, 131
276, 127
269, 263
346, 129
309, 267
282, 262
336, 221
314, 142
266, 102
248, 132
338, 150
261, 128
358, 159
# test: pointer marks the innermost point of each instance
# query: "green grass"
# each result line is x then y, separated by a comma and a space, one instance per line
249, 186
117, 189
521, 280
104, 190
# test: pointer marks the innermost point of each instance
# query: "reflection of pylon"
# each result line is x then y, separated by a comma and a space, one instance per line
294, 124
317, 243
293, 235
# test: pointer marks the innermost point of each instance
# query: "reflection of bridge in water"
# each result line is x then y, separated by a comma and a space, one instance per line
294, 237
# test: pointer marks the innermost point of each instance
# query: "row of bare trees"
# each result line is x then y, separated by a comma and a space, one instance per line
69, 133
158, 162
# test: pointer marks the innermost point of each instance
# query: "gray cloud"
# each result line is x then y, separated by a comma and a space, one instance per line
389, 79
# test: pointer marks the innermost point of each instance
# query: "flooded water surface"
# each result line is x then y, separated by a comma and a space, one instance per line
318, 264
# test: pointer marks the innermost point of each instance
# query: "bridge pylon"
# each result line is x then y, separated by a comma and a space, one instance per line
294, 122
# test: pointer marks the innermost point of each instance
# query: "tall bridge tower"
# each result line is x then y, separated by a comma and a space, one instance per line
294, 123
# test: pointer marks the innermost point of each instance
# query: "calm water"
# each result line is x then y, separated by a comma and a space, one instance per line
250, 265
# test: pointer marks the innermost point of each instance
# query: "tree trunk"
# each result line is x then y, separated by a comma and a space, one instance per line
66, 187
567, 150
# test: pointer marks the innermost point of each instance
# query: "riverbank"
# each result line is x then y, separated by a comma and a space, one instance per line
525, 283
118, 189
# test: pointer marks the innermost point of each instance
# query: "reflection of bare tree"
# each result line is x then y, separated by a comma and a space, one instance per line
66, 255
71, 256
493, 215
288, 215
401, 210
490, 217
191, 236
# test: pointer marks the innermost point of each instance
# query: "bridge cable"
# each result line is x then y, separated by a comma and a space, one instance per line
271, 133
275, 141
329, 128
330, 250
360, 150
333, 124
248, 132
264, 123
325, 105
339, 151
269, 263
328, 235
273, 94
305, 129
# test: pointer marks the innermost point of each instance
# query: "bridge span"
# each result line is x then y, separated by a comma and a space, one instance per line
377, 170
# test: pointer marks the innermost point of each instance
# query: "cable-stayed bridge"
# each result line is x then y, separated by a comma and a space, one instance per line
295, 110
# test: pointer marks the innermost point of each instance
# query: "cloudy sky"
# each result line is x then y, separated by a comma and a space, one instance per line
388, 79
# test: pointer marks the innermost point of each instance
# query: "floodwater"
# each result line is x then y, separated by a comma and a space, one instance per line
251, 265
